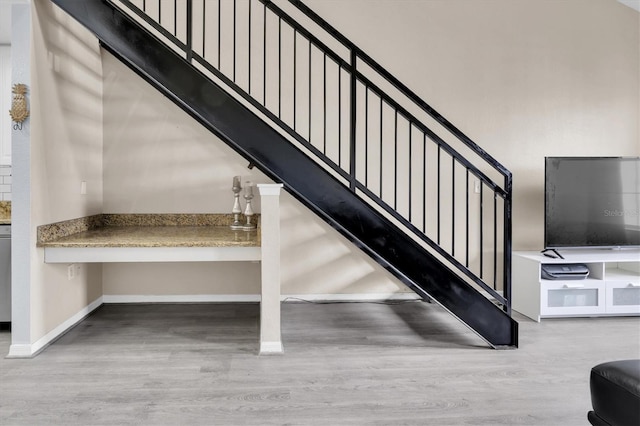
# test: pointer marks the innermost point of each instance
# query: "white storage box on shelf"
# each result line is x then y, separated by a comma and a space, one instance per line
611, 288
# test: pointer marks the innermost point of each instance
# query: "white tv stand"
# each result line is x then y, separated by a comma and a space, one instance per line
612, 288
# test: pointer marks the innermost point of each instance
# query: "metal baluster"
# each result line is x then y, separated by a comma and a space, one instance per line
249, 52
395, 160
507, 245
264, 54
467, 220
410, 171
295, 74
219, 33
324, 103
352, 142
424, 183
340, 115
279, 68
189, 30
438, 198
309, 139
234, 41
453, 206
366, 135
204, 26
381, 138
495, 240
481, 228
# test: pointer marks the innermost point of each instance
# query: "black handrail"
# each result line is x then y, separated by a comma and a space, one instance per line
358, 83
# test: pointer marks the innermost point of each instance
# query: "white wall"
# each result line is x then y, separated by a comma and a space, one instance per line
59, 147
66, 149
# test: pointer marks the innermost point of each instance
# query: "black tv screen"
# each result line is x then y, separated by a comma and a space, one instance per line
592, 202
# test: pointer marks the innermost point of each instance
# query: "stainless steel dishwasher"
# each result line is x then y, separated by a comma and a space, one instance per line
5, 276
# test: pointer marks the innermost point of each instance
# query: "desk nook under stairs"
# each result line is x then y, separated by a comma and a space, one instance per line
179, 238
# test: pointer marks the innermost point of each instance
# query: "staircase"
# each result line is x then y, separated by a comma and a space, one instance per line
346, 138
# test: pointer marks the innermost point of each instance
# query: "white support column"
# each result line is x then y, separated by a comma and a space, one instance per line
270, 337
23, 233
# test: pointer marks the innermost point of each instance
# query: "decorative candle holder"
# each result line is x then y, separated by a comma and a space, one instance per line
248, 212
237, 209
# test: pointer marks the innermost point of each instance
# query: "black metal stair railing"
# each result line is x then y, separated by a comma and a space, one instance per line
323, 174
328, 96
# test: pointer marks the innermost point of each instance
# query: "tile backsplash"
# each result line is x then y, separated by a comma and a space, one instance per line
5, 183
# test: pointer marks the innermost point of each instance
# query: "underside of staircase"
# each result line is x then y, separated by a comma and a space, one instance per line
266, 148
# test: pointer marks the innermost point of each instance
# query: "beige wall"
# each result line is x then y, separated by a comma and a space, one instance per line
66, 149
524, 79
159, 160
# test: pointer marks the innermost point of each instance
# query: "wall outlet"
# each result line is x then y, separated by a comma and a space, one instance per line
71, 271
83, 188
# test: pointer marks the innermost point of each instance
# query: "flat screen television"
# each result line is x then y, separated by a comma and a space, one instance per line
592, 202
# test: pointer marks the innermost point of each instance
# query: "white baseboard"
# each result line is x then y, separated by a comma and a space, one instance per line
348, 297
271, 348
181, 298
253, 298
25, 350
22, 350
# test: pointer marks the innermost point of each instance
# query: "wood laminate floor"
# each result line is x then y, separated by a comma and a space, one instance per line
344, 364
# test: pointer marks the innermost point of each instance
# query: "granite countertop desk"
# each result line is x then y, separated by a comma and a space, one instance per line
5, 212
147, 238
159, 236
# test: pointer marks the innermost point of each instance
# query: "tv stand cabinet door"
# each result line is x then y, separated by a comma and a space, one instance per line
572, 298
623, 297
